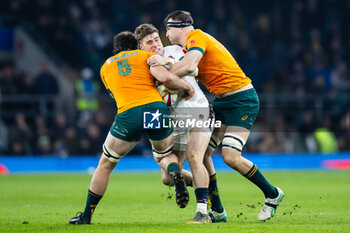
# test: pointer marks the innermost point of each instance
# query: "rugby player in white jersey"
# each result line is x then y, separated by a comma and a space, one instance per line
189, 142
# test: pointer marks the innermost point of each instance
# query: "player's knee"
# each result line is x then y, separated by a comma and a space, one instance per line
232, 158
111, 155
232, 146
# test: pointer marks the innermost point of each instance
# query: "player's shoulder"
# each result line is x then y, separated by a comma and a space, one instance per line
196, 32
196, 35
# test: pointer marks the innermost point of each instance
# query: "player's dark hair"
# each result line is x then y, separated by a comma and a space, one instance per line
179, 15
124, 41
144, 30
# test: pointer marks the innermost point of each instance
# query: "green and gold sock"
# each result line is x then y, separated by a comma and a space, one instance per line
91, 203
214, 195
255, 176
171, 168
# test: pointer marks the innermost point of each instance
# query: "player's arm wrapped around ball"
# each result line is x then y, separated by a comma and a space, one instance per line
170, 97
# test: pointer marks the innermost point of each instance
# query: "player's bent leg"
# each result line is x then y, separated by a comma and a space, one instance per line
166, 179
162, 151
232, 145
187, 175
113, 150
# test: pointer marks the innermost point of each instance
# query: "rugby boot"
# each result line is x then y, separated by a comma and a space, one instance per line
200, 218
79, 220
181, 194
218, 217
269, 208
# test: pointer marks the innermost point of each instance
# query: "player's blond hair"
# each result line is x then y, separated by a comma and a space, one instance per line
144, 30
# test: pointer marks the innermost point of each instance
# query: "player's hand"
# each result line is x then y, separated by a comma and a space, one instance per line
157, 60
189, 92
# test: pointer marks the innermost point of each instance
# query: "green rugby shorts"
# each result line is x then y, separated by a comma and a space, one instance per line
131, 124
240, 109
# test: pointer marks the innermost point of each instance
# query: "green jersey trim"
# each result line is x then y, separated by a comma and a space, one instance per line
196, 48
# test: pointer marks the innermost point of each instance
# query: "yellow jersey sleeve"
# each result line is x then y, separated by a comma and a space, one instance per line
196, 41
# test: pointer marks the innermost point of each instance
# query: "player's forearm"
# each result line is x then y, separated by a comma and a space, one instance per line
180, 83
168, 79
175, 83
183, 68
172, 81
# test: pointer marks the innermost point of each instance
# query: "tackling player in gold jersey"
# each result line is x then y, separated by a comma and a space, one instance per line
130, 81
236, 102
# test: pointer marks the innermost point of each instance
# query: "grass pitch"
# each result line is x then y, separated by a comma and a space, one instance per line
315, 201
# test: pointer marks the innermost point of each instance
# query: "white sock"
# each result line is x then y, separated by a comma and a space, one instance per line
202, 207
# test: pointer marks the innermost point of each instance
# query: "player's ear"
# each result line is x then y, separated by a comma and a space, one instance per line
140, 46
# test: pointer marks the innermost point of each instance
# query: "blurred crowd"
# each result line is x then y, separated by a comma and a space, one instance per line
298, 48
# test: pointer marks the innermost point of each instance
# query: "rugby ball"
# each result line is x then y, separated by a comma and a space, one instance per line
170, 97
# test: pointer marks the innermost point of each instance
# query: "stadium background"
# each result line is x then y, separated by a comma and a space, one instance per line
52, 102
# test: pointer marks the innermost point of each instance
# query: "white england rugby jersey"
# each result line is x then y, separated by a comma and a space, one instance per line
176, 53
